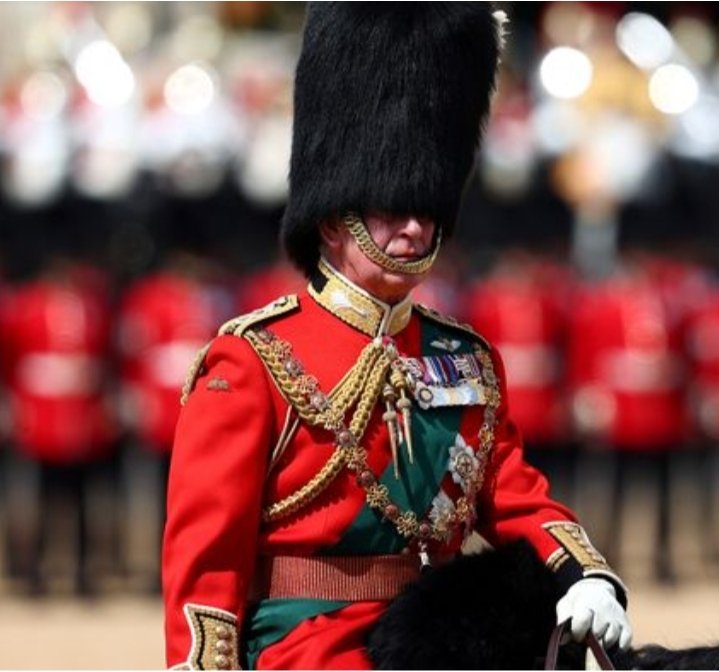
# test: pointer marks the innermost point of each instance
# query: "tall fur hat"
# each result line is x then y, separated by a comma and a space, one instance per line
390, 99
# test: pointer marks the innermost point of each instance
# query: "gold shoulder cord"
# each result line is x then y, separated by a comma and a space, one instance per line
364, 382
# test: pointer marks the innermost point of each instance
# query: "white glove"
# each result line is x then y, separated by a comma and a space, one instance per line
592, 603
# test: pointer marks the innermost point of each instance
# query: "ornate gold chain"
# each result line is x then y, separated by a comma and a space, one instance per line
364, 383
365, 242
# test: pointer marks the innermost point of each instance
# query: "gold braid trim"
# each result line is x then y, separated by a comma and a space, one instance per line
366, 381
214, 638
451, 322
362, 384
193, 373
236, 326
364, 241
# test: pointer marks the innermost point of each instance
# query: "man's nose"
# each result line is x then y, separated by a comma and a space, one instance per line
413, 226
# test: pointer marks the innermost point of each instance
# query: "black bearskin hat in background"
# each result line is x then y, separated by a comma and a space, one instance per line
390, 98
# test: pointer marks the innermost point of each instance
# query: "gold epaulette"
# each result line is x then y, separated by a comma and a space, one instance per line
451, 322
237, 327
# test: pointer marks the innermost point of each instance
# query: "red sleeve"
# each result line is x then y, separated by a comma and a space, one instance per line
214, 502
516, 501
516, 504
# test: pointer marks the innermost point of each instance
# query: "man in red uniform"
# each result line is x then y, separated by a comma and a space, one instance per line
55, 338
337, 441
164, 318
627, 374
520, 306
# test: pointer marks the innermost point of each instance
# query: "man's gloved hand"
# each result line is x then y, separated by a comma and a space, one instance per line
592, 604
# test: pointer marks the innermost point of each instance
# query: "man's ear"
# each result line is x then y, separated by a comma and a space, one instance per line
330, 232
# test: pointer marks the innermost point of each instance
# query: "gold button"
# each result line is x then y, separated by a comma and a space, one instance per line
222, 662
222, 646
222, 632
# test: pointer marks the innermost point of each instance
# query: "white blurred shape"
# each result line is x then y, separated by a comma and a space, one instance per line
264, 170
644, 40
43, 95
566, 72
697, 132
624, 151
190, 89
108, 80
558, 126
673, 89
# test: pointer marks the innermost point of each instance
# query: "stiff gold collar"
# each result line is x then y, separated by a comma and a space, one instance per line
356, 307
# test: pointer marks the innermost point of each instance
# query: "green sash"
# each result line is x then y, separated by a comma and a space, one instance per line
433, 432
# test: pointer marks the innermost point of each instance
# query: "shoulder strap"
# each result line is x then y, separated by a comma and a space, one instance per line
237, 327
451, 322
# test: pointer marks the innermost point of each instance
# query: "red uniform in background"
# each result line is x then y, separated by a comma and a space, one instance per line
628, 377
702, 337
522, 309
703, 348
164, 319
55, 331
259, 288
626, 364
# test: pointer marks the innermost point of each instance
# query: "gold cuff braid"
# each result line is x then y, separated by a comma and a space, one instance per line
214, 638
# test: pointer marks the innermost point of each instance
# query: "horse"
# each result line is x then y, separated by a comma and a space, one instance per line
496, 611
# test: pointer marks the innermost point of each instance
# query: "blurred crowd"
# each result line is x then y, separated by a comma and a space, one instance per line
144, 151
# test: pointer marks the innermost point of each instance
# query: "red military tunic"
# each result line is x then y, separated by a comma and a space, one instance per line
241, 459
523, 314
259, 288
55, 333
626, 363
164, 319
703, 345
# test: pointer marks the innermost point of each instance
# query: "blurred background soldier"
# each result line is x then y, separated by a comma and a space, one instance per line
629, 386
521, 305
164, 318
55, 346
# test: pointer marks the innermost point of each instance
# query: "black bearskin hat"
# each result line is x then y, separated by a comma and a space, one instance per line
389, 103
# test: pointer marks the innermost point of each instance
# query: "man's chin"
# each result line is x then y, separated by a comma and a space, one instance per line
397, 285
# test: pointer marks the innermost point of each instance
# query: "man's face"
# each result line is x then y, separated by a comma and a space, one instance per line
405, 238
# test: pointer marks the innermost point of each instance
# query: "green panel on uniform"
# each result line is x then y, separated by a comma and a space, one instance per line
270, 620
433, 433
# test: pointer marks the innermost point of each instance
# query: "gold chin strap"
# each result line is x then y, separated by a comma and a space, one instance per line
356, 226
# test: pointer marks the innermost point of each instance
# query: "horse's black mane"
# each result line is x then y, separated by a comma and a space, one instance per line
495, 611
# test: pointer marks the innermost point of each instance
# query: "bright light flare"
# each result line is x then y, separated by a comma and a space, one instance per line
644, 40
190, 89
673, 89
108, 80
566, 72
